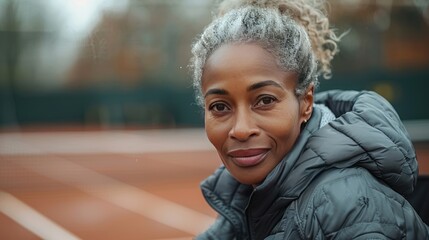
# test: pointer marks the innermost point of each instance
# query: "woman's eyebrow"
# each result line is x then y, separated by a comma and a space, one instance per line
216, 91
264, 84
219, 91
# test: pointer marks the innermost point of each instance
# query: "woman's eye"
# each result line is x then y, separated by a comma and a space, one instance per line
267, 100
218, 107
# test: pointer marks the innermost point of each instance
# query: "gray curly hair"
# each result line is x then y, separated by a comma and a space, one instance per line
296, 33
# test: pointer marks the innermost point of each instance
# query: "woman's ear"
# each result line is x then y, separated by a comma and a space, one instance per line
306, 104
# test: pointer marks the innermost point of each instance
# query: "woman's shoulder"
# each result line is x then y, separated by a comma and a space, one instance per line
348, 203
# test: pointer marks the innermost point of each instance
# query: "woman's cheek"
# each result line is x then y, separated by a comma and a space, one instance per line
216, 132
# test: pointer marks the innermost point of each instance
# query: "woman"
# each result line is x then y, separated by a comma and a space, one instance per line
296, 165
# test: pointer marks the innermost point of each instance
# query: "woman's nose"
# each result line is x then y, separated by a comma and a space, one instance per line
244, 127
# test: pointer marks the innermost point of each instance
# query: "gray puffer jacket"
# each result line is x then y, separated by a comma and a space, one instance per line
342, 180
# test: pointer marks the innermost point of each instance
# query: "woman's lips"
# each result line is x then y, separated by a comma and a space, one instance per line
248, 157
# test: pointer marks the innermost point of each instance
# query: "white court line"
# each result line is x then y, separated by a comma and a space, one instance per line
166, 212
129, 197
126, 142
121, 194
31, 219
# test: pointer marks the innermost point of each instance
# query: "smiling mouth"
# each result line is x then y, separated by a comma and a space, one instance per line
248, 157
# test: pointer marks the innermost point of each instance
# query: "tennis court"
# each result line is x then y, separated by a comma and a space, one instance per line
104, 185
108, 184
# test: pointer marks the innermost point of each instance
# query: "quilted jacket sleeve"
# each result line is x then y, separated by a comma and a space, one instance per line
355, 205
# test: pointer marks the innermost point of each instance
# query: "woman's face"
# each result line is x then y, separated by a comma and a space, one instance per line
252, 115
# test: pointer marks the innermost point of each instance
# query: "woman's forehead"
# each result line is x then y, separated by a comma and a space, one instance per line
241, 56
234, 63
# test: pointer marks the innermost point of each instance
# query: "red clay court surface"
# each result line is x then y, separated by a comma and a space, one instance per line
109, 184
